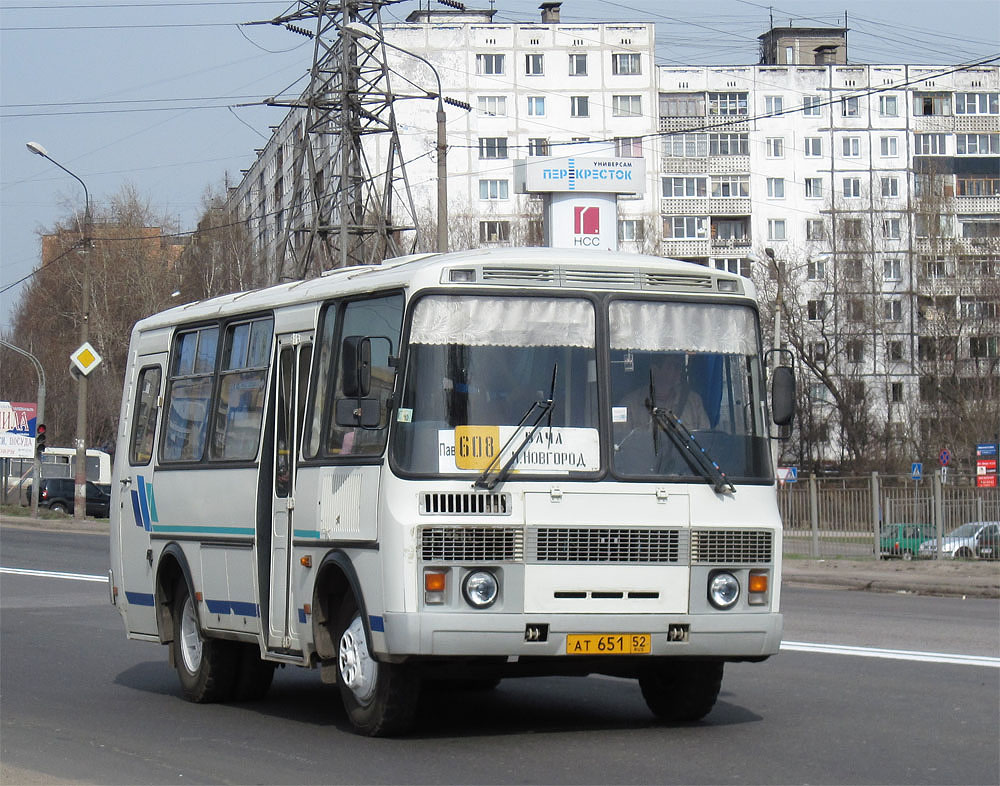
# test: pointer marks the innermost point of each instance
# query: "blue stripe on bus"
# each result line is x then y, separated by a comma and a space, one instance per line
139, 598
152, 502
142, 502
306, 533
241, 608
376, 623
135, 508
199, 530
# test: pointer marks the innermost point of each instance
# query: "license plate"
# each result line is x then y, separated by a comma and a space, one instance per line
608, 644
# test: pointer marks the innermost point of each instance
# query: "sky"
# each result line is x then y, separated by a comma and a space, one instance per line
166, 96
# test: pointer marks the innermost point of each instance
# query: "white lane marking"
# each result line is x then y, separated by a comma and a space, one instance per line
55, 574
877, 652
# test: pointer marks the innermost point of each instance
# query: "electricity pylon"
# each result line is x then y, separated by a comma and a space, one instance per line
346, 208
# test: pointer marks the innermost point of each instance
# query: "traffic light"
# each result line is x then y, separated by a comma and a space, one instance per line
40, 439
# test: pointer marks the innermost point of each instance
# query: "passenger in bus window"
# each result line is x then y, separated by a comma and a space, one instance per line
673, 392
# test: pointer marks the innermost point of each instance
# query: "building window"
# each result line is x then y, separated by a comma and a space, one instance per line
852, 146
724, 186
894, 351
977, 144
852, 187
685, 227
814, 187
850, 106
536, 106
817, 354
893, 310
930, 144
490, 64
626, 106
927, 225
890, 186
626, 64
736, 230
579, 106
891, 228
853, 229
856, 309
816, 309
728, 144
682, 104
816, 269
775, 147
931, 104
815, 229
493, 147
855, 351
630, 230
812, 106
896, 390
740, 267
977, 186
493, 106
686, 145
984, 347
980, 227
578, 65
888, 146
727, 104
776, 188
977, 103
773, 105
494, 231
628, 146
538, 146
684, 187
493, 189
888, 106
776, 229
972, 307
813, 146
534, 65
892, 270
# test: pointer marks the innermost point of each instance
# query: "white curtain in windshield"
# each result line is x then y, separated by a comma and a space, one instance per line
683, 327
506, 321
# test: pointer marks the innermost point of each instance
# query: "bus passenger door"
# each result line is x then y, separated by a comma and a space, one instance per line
291, 378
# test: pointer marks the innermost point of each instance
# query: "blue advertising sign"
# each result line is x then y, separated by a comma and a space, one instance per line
986, 449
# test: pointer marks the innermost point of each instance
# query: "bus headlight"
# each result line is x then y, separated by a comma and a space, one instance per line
480, 589
723, 590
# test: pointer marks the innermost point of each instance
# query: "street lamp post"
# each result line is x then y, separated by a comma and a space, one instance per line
80, 497
357, 29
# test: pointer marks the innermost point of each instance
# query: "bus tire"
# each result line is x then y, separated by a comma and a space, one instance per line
683, 691
380, 698
254, 674
207, 668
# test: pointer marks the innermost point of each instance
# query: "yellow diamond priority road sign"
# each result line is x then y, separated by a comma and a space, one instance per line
86, 358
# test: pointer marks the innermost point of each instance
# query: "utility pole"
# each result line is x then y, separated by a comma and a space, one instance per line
346, 209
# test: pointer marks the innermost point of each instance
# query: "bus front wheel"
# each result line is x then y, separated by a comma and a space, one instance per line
206, 667
380, 698
683, 691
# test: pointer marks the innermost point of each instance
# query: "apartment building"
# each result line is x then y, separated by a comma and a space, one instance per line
871, 192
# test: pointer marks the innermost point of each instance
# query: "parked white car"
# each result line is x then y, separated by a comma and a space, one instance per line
960, 543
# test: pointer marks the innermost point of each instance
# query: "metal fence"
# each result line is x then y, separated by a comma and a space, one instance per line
843, 517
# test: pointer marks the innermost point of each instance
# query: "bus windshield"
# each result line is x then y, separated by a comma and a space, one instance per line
481, 369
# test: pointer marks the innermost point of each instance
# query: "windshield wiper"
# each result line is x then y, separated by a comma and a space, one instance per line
542, 408
681, 436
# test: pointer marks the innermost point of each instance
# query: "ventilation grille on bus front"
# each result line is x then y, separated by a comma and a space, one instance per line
464, 504
622, 545
472, 544
676, 281
597, 278
730, 547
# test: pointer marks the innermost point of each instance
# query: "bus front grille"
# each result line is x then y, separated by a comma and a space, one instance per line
472, 544
621, 545
731, 547
464, 504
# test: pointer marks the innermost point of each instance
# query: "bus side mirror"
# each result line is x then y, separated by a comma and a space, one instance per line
356, 366
783, 395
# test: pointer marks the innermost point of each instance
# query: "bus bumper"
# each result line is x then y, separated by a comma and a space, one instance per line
721, 635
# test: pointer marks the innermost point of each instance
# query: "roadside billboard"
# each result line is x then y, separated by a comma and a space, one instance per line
17, 429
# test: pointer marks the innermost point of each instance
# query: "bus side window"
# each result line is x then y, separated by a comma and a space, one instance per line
144, 418
380, 319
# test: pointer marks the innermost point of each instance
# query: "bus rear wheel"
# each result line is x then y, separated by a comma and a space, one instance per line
683, 691
380, 698
207, 668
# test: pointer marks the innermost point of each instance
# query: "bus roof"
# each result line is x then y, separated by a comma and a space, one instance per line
521, 267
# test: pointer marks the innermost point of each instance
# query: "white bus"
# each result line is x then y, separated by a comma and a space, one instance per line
467, 467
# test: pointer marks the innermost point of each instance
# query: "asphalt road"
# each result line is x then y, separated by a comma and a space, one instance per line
82, 704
